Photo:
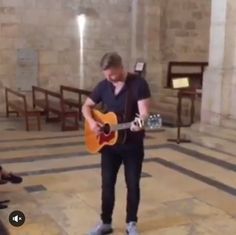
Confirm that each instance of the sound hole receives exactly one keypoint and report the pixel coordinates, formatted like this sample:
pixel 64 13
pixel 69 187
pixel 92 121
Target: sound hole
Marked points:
pixel 106 129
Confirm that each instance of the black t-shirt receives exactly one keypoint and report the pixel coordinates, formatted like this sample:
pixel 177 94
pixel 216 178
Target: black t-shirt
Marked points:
pixel 137 88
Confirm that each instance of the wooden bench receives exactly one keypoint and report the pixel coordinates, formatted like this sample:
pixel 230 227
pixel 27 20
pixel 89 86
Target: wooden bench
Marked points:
pixel 193 70
pixel 39 101
pixel 53 103
pixel 19 106
pixel 75 99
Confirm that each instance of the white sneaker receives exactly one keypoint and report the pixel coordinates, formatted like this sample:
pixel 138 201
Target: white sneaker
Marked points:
pixel 101 229
pixel 132 228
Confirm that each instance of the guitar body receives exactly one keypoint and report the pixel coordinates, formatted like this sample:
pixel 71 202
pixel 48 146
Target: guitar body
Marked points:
pixel 95 143
pixel 113 131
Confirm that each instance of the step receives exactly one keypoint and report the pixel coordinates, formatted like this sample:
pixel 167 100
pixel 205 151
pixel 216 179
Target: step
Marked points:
pixel 224 142
pixel 229 123
pixel 216 131
pixel 213 142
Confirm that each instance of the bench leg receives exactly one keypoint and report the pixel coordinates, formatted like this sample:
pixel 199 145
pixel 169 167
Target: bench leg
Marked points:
pixel 7 111
pixel 38 121
pixel 80 113
pixel 47 116
pixel 64 127
pixel 63 122
pixel 76 121
pixel 27 122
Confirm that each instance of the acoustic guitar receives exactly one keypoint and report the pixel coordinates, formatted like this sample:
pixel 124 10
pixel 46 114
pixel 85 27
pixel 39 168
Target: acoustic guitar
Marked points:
pixel 111 130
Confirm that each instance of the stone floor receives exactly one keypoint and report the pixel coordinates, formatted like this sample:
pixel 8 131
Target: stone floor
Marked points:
pixel 186 189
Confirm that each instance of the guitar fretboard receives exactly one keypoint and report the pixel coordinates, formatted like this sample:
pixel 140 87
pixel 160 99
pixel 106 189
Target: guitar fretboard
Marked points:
pixel 120 126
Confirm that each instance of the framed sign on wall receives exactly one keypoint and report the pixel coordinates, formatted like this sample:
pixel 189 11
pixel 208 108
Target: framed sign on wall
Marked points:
pixel 26 69
pixel 140 68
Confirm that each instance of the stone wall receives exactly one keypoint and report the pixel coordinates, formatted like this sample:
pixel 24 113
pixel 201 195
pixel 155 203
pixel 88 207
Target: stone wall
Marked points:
pixel 50 27
pixel 154 30
pixel 185 27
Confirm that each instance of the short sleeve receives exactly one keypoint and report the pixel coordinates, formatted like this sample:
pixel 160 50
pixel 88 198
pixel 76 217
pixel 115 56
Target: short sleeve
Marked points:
pixel 96 94
pixel 143 90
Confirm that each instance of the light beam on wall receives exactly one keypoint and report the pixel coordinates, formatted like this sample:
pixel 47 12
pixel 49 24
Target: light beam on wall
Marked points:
pixel 81 21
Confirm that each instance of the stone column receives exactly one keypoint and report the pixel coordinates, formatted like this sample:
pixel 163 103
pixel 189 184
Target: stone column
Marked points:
pixel 145 40
pixel 219 85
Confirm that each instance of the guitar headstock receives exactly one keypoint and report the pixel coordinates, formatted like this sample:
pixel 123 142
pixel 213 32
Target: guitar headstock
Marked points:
pixel 154 121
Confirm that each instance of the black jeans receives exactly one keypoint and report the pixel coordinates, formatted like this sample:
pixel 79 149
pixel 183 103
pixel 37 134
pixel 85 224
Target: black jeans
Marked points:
pixel 131 155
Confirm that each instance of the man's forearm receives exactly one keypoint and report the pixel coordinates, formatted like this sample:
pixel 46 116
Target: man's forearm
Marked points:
pixel 144 109
pixel 87 113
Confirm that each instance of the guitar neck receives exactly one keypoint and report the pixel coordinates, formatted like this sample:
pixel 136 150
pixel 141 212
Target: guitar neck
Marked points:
pixel 121 126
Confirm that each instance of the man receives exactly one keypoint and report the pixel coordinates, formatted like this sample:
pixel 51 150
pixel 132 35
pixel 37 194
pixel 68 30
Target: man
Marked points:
pixel 9 177
pixel 6 177
pixel 127 95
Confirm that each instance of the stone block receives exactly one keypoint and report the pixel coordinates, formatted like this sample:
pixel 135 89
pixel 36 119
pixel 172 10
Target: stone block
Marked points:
pixel 181 33
pixel 31 17
pixel 21 43
pixel 190 25
pixel 47 70
pixel 175 24
pixel 48 57
pixel 29 4
pixel 197 15
pixel 190 5
pixel 7 10
pixel 41 42
pixel 68 57
pixel 7 57
pixel 10 29
pixel 49 4
pixel 5 70
pixel 9 18
pixel 12 3
pixel 61 44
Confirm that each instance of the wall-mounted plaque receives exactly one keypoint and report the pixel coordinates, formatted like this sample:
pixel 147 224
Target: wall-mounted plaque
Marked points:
pixel 139 67
pixel 27 69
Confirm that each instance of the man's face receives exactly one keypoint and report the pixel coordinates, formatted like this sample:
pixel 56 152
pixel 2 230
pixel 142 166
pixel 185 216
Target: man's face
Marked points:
pixel 114 74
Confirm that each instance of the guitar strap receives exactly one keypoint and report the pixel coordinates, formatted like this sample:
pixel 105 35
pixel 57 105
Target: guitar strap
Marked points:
pixel 126 117
pixel 128 101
